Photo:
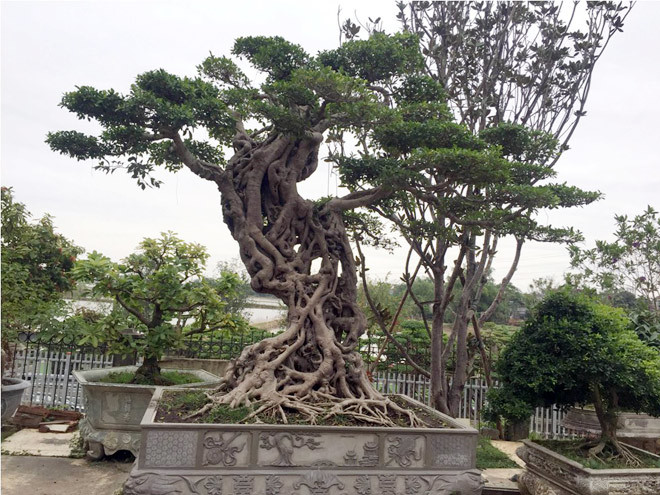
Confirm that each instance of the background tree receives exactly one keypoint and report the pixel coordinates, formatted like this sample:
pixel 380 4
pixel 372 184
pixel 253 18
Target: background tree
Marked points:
pixel 631 262
pixel 233 284
pixel 626 271
pixel 574 351
pixel 454 189
pixel 36 270
pixel 293 248
pixel 160 292
pixel 518 75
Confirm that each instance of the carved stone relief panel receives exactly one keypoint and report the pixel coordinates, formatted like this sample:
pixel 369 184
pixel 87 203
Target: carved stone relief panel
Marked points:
pixel 318 482
pixel 226 449
pixel 452 451
pixel 170 449
pixel 123 408
pixel 243 485
pixel 404 451
pixel 318 450
pixel 289 449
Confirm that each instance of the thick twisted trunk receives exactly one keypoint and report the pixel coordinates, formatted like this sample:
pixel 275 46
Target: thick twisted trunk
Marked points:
pixel 298 251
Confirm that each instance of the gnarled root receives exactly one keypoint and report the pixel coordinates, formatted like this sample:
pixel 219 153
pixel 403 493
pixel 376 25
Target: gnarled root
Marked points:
pixel 610 450
pixel 318 407
pixel 264 376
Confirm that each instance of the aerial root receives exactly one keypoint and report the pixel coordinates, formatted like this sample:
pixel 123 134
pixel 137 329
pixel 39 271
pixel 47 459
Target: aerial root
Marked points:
pixel 618 452
pixel 315 408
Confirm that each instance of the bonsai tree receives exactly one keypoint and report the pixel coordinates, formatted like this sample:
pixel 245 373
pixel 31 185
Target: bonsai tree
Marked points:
pixel 159 293
pixel 262 141
pixel 36 271
pixel 364 92
pixel 574 351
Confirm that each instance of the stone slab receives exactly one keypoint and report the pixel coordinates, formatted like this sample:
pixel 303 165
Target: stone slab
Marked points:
pixel 501 478
pixel 22 475
pixel 32 442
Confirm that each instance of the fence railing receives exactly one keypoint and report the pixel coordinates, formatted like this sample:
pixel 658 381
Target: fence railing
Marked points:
pixel 49 366
pixel 49 370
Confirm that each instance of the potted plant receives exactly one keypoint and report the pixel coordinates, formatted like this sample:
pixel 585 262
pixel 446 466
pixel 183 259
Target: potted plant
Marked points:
pixel 158 291
pixel 574 351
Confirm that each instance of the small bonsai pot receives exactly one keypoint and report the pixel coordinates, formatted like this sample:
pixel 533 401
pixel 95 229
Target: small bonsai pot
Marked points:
pixel 113 411
pixel 12 391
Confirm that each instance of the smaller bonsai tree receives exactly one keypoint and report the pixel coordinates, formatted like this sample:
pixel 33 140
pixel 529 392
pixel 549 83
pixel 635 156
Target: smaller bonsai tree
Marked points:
pixel 160 292
pixel 574 351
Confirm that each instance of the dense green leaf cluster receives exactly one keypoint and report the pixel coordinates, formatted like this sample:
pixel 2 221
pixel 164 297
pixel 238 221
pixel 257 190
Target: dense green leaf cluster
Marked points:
pixel 575 351
pixel 37 265
pixel 160 295
pixel 628 266
pixel 301 94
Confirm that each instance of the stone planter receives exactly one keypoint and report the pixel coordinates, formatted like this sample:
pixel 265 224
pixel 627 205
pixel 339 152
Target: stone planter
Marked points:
pixel 214 459
pixel 113 411
pixel 12 391
pixel 548 473
pixel 640 430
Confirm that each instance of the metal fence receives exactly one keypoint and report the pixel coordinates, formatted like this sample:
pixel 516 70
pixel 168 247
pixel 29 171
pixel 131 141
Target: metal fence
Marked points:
pixel 49 366
pixel 218 346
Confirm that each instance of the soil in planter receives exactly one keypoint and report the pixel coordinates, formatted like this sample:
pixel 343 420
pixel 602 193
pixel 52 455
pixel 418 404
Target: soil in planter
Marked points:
pixel 572 450
pixel 174 406
pixel 126 377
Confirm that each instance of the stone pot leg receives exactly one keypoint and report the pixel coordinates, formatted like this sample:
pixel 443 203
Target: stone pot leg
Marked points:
pixel 95 450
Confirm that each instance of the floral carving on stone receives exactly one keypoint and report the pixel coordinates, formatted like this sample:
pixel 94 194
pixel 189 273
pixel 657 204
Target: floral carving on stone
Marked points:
pixel 213 485
pixel 319 482
pixel 222 450
pixel 273 485
pixel 363 485
pixel 286 443
pixel 404 450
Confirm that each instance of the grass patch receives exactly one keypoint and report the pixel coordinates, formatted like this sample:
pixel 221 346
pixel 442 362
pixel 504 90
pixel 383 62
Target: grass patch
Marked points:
pixel 573 451
pixel 490 457
pixel 174 377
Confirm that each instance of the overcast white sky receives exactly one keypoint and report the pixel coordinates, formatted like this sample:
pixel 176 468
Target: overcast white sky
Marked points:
pixel 49 47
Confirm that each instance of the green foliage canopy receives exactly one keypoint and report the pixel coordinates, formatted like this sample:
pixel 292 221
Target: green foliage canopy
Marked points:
pixel 160 295
pixel 629 265
pixel 37 265
pixel 574 351
pixel 301 94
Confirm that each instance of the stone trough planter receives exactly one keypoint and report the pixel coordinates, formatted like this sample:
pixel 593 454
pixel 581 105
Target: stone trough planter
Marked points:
pixel 548 473
pixel 264 459
pixel 113 411
pixel 639 430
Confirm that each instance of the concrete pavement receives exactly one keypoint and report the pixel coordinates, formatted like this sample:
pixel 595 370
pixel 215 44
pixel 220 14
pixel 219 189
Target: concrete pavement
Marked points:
pixel 23 475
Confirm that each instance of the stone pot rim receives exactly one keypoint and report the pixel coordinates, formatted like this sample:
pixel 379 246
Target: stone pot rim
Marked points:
pixel 595 472
pixel 17 384
pixel 148 420
pixel 82 376
pixel 621 414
